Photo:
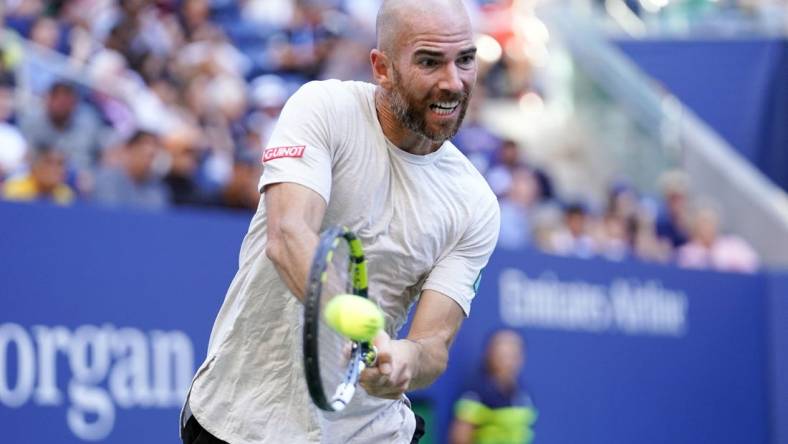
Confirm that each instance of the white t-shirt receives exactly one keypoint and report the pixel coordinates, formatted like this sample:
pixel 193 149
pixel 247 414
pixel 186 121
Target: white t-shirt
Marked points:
pixel 426 222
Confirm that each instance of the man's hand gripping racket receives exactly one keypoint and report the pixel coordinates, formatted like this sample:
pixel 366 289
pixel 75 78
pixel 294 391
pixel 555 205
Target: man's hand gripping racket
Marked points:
pixel 339 321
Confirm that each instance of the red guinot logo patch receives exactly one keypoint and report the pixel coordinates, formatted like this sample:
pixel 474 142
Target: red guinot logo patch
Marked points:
pixel 283 151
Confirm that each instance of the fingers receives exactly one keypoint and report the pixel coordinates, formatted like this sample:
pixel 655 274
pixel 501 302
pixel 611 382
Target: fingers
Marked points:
pixel 391 377
pixel 376 383
pixel 399 376
pixel 382 343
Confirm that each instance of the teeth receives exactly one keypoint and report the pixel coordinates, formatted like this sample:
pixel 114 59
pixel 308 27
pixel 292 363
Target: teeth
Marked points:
pixel 447 104
pixel 444 107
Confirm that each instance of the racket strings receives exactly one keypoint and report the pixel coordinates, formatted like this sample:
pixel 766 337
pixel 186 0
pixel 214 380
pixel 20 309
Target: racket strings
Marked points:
pixel 334 348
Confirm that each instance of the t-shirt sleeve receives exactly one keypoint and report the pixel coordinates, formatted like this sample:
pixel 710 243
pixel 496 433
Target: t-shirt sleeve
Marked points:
pixel 300 149
pixel 457 275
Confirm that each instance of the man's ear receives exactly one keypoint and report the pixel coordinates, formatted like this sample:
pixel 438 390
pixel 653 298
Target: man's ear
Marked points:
pixel 381 68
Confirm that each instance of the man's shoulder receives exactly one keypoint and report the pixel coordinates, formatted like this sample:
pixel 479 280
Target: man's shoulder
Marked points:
pixel 334 89
pixel 473 181
pixel 335 101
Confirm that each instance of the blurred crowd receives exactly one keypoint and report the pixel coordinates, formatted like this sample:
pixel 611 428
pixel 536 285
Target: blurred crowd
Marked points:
pixel 669 228
pixel 173 101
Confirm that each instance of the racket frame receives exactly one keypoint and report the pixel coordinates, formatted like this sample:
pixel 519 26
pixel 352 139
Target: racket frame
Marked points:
pixel 362 354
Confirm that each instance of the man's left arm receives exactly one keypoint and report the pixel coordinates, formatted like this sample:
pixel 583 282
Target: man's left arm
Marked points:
pixel 415 362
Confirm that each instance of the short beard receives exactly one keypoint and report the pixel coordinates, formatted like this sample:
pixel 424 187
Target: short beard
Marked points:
pixel 413 117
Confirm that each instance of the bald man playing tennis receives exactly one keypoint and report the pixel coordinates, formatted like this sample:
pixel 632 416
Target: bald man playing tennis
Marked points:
pixel 377 159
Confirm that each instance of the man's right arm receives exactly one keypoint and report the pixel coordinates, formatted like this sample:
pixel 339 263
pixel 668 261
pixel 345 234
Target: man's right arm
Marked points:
pixel 294 215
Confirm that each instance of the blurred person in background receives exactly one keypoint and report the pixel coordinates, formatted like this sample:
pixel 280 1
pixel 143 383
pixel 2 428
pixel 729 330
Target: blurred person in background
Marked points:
pixel 673 218
pixel 622 201
pixel 646 245
pixel 44 32
pixel 495 408
pixel 508 158
pixel 573 238
pixel 546 221
pixel 66 123
pixel 268 94
pixel 268 13
pixel 181 178
pixel 13 146
pixel 612 234
pixel 708 249
pixel 240 192
pixel 612 238
pixel 516 207
pixel 45 181
pixel 474 139
pixel 133 182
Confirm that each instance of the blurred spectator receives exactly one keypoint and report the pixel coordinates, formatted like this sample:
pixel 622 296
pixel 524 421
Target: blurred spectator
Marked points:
pixel 44 32
pixel 133 183
pixel 13 146
pixel 646 245
pixel 241 192
pixel 574 239
pixel 268 95
pixel 500 175
pixel 546 220
pixel 45 181
pixel 613 234
pixel 495 408
pixel 66 123
pixel 474 139
pixel 612 240
pixel 195 18
pixel 181 178
pixel 516 207
pixel 622 202
pixel 708 249
pixel 673 219
pixel 268 13
pixel 509 158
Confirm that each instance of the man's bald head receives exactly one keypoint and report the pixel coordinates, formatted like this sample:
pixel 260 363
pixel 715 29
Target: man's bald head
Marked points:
pixel 397 19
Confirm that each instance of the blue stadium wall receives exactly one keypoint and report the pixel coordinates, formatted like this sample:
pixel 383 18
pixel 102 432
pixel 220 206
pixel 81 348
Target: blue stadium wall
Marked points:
pixel 105 315
pixel 738 86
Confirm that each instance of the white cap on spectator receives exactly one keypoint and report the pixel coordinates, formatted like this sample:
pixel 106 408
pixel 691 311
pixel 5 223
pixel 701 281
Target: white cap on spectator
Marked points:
pixel 12 155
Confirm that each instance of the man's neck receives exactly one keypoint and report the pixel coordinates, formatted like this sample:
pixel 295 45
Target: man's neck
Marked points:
pixel 506 385
pixel 403 138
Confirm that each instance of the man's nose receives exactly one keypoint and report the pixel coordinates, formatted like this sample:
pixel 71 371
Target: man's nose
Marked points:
pixel 451 81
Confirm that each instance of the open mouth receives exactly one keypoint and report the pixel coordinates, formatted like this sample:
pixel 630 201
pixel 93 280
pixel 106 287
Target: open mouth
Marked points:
pixel 444 108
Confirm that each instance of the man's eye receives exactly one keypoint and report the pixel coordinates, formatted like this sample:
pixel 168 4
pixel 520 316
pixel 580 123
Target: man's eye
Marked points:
pixel 466 60
pixel 428 63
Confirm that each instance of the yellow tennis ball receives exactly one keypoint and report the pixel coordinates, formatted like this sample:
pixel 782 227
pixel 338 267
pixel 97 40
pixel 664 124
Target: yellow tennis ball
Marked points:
pixel 354 317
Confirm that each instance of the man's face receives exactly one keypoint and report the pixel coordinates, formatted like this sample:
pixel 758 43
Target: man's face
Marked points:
pixel 60 104
pixel 506 355
pixel 49 170
pixel 576 223
pixel 433 76
pixel 141 156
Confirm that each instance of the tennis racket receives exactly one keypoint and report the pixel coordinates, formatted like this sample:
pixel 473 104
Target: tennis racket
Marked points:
pixel 332 362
